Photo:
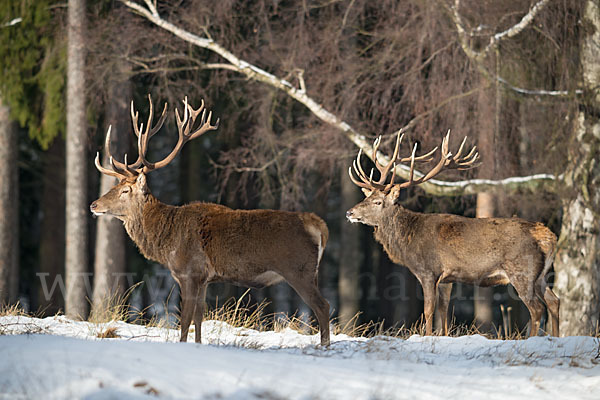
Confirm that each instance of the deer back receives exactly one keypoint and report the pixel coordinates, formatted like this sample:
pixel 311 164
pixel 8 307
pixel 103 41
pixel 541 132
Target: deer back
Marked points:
pixel 247 243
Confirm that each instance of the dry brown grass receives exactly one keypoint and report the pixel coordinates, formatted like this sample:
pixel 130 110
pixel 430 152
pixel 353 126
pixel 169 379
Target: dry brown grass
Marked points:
pixel 16 310
pixel 244 313
pixel 13 310
pixel 241 314
pixel 115 308
pixel 108 333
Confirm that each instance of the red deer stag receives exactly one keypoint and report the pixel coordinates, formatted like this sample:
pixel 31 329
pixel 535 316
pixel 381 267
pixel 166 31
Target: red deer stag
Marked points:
pixel 203 242
pixel 440 249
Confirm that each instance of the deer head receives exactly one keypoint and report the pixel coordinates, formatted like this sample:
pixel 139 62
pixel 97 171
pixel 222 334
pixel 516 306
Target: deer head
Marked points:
pixel 381 196
pixel 126 198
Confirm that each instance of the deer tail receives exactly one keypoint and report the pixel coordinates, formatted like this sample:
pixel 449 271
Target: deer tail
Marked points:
pixel 547 243
pixel 312 221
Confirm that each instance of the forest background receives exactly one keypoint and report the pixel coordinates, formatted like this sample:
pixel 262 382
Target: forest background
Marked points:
pixel 299 87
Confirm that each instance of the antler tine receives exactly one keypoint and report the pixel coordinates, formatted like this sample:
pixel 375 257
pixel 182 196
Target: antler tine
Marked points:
pixel 460 149
pixel 205 124
pixel 124 170
pixel 469 161
pixel 161 121
pixel 466 162
pixel 183 126
pixel 412 169
pixel 121 168
pixel 367 181
pixel 144 135
pixel 181 123
pixel 359 172
pixel 391 165
pixel 106 171
pixel 107 141
pixel 391 184
pixel 445 144
pixel 356 182
pixel 118 168
pixel 134 120
pixel 358 167
pixel 385 170
pixel 150 115
pixel 151 131
pixel 130 169
pixel 194 113
pixel 447 160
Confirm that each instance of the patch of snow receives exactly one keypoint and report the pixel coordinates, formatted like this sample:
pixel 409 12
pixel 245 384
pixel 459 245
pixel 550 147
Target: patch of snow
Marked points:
pixel 60 358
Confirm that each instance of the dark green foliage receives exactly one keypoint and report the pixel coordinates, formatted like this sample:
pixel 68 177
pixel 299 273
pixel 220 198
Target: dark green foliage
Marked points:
pixel 32 64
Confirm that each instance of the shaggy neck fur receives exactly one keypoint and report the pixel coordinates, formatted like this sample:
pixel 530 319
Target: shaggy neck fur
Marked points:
pixel 149 226
pixel 397 237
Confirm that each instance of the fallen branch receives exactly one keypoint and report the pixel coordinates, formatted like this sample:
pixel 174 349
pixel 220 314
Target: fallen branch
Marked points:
pixel 433 187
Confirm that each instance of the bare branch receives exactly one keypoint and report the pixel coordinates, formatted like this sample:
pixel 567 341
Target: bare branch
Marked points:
pixel 434 187
pixel 12 22
pixel 479 56
pixel 419 117
pixel 556 93
pixel 525 21
pixel 495 39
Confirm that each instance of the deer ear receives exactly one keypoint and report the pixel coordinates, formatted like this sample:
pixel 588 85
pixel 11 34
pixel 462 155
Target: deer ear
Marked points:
pixel 394 194
pixel 141 183
pixel 366 192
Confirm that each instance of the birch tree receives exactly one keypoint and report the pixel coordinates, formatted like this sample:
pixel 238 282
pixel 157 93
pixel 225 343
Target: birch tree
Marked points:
pixel 577 264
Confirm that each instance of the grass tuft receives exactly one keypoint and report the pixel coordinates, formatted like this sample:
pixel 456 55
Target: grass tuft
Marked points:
pixel 240 314
pixel 114 308
pixel 108 333
pixel 12 310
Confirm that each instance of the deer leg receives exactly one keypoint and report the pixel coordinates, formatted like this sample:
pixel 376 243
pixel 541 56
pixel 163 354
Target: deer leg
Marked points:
pixel 528 295
pixel 545 294
pixel 553 305
pixel 309 292
pixel 429 293
pixel 444 292
pixel 536 308
pixel 200 309
pixel 188 304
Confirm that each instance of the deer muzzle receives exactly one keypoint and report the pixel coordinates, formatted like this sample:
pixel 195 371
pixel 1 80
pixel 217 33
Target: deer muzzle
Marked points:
pixel 94 209
pixel 350 216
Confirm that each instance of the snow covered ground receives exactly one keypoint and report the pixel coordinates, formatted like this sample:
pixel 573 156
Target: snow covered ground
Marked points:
pixel 57 358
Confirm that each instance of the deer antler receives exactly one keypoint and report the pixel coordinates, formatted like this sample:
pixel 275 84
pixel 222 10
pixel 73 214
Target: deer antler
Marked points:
pixel 124 170
pixel 447 161
pixel 184 126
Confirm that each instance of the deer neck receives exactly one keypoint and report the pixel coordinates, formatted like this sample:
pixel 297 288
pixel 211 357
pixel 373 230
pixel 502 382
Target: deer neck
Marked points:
pixel 147 228
pixel 397 233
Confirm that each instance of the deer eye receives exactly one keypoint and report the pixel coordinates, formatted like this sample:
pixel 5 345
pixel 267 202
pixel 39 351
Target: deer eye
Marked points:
pixel 377 202
pixel 125 190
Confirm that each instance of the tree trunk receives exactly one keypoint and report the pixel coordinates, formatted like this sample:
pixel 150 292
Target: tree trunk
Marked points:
pixel 488 126
pixel 109 262
pixel 577 264
pixel 76 253
pixel 50 295
pixel 483 295
pixel 350 253
pixel 9 208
